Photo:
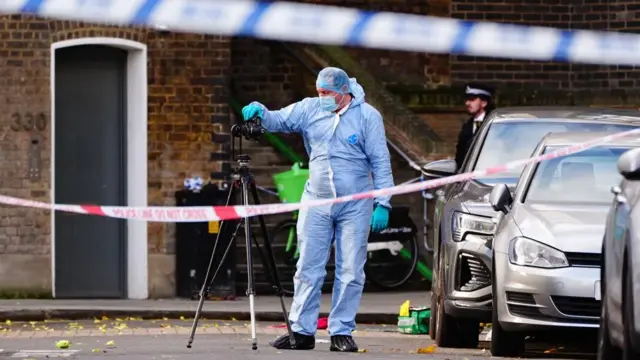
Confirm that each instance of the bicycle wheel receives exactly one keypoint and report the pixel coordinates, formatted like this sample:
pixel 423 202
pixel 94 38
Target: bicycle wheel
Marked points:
pixel 388 271
pixel 284 241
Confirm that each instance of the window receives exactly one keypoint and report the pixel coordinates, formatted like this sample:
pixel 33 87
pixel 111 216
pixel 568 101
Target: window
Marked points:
pixel 515 140
pixel 584 177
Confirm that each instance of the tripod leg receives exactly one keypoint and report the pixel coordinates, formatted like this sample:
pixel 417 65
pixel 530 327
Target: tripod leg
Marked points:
pixel 263 259
pixel 207 283
pixel 273 266
pixel 250 284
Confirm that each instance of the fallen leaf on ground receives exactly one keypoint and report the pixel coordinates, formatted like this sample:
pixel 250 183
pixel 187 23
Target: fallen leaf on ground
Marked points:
pixel 63 344
pixel 428 350
pixel 362 350
pixel 550 351
pixel 95 350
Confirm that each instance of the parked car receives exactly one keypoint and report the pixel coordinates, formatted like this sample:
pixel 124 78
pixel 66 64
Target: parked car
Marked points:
pixel 463 230
pixel 619 335
pixel 548 239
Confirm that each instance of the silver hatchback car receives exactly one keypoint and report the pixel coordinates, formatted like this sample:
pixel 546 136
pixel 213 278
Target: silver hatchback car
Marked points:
pixel 462 227
pixel 548 239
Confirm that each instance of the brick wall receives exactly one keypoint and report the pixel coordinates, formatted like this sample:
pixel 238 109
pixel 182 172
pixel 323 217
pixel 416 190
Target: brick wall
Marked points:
pixel 613 15
pixel 188 82
pixel 431 70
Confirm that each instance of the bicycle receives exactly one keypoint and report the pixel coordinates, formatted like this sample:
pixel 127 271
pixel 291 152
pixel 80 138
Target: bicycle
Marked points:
pixel 385 269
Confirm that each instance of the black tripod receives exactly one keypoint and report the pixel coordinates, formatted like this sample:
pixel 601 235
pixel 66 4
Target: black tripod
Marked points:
pixel 242 178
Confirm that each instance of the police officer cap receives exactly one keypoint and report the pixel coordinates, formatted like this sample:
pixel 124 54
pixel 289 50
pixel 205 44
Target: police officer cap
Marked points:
pixel 482 91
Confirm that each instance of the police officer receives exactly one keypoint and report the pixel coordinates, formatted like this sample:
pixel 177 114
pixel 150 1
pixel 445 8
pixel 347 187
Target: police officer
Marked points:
pixel 479 102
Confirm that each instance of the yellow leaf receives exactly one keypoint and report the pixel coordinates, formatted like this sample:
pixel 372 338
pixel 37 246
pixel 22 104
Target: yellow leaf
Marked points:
pixel 8 322
pixel 63 344
pixel 181 317
pixel 165 318
pixel 233 319
pixel 428 350
pixel 110 343
pixel 362 350
pixel 95 350
pixel 104 318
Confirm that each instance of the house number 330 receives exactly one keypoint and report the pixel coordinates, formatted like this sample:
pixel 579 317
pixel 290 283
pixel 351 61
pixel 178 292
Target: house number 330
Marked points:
pixel 28 122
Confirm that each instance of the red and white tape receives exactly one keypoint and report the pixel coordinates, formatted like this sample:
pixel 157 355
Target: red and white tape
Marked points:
pixel 214 213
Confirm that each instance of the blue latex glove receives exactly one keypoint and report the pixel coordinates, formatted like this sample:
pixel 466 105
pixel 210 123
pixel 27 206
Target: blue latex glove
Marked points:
pixel 379 219
pixel 251 110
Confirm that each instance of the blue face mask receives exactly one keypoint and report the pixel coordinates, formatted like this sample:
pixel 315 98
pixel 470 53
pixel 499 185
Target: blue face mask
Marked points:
pixel 328 103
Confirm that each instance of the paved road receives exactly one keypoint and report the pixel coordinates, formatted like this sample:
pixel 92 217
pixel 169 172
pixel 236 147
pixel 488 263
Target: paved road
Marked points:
pixel 167 339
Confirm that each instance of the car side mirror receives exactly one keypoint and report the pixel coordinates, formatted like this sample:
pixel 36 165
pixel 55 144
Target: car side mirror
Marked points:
pixel 500 198
pixel 440 168
pixel 629 164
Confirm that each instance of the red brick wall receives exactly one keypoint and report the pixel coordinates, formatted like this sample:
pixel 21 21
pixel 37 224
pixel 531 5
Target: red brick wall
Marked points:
pixel 612 15
pixel 430 70
pixel 188 82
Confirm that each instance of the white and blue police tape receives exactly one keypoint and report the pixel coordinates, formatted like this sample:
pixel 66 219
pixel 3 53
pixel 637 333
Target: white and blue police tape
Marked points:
pixel 345 26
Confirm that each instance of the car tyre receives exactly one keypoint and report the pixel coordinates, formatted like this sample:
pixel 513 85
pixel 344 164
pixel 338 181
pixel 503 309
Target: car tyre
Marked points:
pixel 434 315
pixel 445 325
pixel 449 331
pixel 503 343
pixel 433 319
pixel 606 350
pixel 628 351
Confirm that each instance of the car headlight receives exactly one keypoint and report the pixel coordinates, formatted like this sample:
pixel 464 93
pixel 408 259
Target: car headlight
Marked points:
pixel 466 223
pixel 527 252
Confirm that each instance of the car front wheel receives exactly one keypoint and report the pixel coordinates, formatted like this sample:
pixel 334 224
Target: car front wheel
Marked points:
pixel 606 350
pixel 449 331
pixel 503 343
pixel 629 352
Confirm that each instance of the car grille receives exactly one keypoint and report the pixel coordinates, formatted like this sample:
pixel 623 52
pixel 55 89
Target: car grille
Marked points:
pixel 521 298
pixel 584 259
pixel 577 306
pixel 472 273
pixel 525 311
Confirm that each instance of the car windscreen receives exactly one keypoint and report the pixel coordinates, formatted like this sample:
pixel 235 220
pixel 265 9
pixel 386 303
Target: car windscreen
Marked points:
pixel 514 140
pixel 584 177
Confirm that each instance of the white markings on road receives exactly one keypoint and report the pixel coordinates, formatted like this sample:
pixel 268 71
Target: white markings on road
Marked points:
pixel 44 353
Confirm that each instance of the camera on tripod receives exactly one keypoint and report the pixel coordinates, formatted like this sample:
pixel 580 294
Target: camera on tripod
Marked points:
pixel 251 129
pixel 243 180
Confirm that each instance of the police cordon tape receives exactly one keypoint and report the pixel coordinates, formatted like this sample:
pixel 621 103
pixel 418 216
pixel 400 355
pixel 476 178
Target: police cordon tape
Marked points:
pixel 322 24
pixel 216 213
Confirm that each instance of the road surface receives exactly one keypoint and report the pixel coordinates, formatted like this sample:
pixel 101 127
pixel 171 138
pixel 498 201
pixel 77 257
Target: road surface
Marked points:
pixel 133 339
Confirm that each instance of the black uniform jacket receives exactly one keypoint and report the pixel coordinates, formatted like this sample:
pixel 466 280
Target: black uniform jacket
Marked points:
pixel 465 137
